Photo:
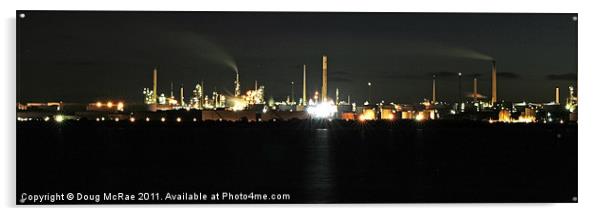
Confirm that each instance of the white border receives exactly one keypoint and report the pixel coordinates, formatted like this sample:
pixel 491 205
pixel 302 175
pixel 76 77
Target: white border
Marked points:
pixel 589 98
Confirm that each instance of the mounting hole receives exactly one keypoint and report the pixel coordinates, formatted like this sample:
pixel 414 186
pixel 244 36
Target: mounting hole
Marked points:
pixel 574 199
pixel 574 18
pixel 22 15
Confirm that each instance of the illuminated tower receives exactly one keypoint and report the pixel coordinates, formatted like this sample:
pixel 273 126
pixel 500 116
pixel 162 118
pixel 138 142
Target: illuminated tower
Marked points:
pixel 557 101
pixel 324 78
pixel 304 86
pixel 493 84
pixel 236 86
pixel 197 97
pixel 434 89
pixel 154 99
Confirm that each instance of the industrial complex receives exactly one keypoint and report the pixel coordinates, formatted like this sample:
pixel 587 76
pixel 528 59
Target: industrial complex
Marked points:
pixel 251 105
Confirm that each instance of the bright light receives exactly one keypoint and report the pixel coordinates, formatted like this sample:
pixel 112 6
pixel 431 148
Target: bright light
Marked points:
pixel 102 119
pixel 194 119
pixel 98 104
pixel 97 119
pixel 109 104
pixel 46 118
pixel 162 119
pixel 147 119
pixel 132 119
pixel 367 115
pixel 59 118
pixel 322 110
pixel 120 106
pixel 420 116
pixel 116 119
pixel 178 119
pixel 238 106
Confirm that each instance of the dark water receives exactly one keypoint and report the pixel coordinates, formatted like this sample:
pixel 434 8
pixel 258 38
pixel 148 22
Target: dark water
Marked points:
pixel 314 162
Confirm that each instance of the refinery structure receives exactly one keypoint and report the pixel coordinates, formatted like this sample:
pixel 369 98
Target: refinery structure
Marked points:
pixel 251 105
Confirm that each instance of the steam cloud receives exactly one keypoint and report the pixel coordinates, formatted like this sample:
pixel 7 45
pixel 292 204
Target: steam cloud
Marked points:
pixel 206 49
pixel 467 53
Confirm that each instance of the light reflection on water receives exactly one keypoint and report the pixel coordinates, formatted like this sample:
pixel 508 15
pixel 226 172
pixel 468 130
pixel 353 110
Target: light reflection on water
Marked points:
pixel 319 170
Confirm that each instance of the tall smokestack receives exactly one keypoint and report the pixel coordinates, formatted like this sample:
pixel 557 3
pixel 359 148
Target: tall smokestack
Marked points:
pixel 474 89
pixel 236 86
pixel 202 93
pixel 557 101
pixel 434 89
pixel 493 83
pixel 155 85
pixel 292 92
pixel 182 94
pixel 324 78
pixel 304 85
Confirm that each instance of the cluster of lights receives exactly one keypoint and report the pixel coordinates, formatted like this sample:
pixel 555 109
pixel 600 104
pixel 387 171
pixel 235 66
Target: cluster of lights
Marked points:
pixel 238 104
pixel 367 115
pixel 119 106
pixel 24 119
pixel 32 119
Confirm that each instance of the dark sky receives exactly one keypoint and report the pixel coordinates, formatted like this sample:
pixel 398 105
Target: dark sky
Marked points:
pixel 89 56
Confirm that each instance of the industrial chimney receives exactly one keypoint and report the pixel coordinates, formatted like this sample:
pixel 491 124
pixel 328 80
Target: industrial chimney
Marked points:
pixel 304 85
pixel 324 78
pixel 182 95
pixel 474 89
pixel 434 89
pixel 459 89
pixel 155 85
pixel 493 84
pixel 336 102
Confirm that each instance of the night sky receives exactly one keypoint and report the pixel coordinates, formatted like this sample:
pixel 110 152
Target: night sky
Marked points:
pixel 88 56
